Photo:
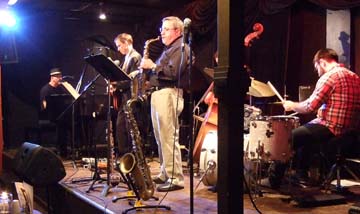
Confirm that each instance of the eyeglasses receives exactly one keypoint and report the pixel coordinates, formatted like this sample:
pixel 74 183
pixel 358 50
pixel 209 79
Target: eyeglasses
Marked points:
pixel 166 29
pixel 317 64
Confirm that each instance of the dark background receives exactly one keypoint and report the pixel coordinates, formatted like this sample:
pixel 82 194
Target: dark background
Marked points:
pixel 57 34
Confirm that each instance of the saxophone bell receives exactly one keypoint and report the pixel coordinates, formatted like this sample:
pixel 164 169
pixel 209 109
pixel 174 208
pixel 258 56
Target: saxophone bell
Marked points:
pixel 127 163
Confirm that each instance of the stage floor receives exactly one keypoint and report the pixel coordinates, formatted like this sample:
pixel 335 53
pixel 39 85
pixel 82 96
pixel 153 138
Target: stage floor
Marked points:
pixel 205 200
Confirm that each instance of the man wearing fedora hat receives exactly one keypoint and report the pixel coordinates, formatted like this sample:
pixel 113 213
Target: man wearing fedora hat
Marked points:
pixel 62 128
pixel 52 87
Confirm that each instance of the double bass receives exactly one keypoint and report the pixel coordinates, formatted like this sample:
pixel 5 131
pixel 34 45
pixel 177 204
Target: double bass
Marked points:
pixel 209 122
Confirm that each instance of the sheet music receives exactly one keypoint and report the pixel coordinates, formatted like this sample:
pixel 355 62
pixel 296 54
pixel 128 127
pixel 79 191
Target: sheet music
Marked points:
pixel 275 91
pixel 25 194
pixel 71 90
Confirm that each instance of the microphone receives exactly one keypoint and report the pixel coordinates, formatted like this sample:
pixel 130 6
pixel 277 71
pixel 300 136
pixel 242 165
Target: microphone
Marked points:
pixel 187 23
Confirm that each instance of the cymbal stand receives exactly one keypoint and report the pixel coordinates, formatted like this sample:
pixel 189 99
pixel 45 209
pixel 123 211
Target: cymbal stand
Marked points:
pixel 211 165
pixel 257 171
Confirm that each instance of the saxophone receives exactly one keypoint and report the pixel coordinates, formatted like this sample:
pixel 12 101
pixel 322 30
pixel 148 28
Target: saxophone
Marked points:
pixel 134 163
pixel 142 77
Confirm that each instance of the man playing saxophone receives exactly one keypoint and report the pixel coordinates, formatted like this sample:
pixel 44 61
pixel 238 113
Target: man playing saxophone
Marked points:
pixel 167 102
pixel 124 44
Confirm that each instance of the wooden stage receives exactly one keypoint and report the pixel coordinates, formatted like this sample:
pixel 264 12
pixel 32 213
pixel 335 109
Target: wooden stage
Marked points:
pixel 72 197
pixel 205 200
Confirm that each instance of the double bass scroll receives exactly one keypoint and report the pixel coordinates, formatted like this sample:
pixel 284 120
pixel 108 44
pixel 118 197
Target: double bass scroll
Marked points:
pixel 258 30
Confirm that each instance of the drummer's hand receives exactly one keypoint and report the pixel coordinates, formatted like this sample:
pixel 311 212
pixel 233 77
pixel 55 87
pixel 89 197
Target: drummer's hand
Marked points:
pixel 288 105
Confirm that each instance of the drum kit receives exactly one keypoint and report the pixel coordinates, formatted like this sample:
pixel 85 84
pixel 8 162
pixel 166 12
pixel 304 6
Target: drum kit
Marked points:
pixel 267 140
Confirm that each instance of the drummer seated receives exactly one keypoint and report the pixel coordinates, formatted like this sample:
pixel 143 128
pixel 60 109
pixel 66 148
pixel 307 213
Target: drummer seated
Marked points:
pixel 343 146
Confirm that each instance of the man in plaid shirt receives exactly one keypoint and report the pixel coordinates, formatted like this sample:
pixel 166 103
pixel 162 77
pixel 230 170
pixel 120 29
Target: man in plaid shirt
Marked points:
pixel 336 99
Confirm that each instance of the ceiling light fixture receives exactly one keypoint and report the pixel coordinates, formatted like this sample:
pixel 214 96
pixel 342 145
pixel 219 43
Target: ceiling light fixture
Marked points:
pixel 102 14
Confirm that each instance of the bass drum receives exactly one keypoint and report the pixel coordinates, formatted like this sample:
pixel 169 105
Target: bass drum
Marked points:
pixel 208 159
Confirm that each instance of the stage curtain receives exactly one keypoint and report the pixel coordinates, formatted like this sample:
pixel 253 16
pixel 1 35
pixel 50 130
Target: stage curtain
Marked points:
pixel 336 4
pixel 274 6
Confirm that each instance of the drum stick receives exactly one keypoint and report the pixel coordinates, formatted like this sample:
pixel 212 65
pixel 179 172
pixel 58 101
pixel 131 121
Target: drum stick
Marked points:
pixel 293 114
pixel 275 91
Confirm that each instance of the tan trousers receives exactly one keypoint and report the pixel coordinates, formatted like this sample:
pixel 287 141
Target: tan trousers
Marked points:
pixel 166 106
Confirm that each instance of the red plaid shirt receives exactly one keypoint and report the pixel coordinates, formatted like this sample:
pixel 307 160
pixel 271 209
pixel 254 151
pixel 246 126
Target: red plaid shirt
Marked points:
pixel 337 99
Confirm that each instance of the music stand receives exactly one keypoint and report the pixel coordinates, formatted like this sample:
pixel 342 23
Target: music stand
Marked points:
pixel 111 72
pixel 75 100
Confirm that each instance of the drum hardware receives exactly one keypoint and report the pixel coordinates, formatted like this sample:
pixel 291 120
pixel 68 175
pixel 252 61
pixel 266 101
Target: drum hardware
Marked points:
pixel 211 165
pixel 252 170
pixel 254 125
pixel 269 133
pixel 252 174
pixel 208 159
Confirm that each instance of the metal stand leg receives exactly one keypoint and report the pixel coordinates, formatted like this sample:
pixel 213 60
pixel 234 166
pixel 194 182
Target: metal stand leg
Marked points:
pixel 134 194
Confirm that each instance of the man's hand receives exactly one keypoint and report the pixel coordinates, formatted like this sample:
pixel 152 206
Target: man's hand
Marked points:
pixel 133 74
pixel 147 64
pixel 288 105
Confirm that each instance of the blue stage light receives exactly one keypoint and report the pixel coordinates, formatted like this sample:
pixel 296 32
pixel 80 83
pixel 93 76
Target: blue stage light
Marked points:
pixel 12 2
pixel 7 18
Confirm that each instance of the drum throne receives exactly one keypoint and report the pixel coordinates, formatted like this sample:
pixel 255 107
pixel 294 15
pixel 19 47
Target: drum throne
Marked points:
pixel 347 147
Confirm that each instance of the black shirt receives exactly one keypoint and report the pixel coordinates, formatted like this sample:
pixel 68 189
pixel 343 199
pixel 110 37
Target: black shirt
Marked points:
pixel 168 65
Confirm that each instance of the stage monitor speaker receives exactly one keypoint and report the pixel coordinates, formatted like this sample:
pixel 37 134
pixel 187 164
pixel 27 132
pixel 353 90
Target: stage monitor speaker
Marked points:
pixel 38 166
pixel 305 91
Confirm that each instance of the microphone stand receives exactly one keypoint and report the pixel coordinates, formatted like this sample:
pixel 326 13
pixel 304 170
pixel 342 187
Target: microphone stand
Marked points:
pixel 191 130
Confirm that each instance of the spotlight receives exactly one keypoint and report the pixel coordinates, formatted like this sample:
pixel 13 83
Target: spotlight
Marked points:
pixel 102 16
pixel 7 18
pixel 12 2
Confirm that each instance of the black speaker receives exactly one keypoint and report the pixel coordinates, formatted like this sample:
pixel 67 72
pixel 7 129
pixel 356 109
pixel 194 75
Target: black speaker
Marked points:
pixel 38 166
pixel 305 91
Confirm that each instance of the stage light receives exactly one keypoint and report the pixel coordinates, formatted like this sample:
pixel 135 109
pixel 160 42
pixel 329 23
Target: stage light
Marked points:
pixel 102 16
pixel 12 2
pixel 7 18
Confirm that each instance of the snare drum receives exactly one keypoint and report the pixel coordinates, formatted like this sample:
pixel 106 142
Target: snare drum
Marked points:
pixel 208 159
pixel 271 138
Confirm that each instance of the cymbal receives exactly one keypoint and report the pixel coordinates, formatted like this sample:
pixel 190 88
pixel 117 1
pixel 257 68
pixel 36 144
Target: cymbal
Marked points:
pixel 259 89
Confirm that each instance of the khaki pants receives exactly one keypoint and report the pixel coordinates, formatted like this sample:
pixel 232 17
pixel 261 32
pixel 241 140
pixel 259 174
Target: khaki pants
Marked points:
pixel 166 106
